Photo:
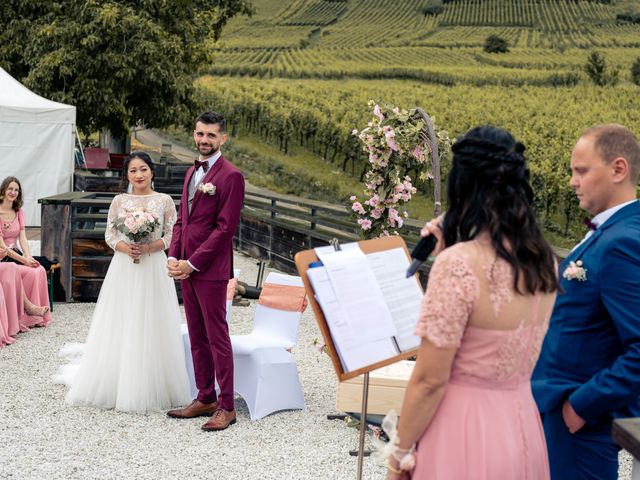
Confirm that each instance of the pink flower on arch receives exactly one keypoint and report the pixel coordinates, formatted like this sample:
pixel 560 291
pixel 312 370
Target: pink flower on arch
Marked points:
pixel 373 201
pixel 389 136
pixel 418 153
pixel 378 113
pixel 377 212
pixel 358 208
pixel 364 223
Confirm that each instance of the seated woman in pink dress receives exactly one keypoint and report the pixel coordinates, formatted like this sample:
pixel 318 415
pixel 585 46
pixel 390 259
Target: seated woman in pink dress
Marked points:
pixel 468 410
pixel 19 310
pixel 12 235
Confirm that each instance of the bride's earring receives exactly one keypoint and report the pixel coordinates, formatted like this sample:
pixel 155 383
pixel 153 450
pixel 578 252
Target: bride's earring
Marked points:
pixel 130 188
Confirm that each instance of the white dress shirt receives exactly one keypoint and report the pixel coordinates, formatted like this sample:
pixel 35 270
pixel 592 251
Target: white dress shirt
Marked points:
pixel 602 217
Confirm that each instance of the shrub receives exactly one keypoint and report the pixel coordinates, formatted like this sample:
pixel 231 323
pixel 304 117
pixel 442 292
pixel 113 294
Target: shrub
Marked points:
pixel 627 17
pixel 596 68
pixel 635 72
pixel 433 8
pixel 495 44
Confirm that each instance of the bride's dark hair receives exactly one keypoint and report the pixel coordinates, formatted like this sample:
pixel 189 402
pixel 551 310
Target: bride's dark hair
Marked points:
pixel 145 157
pixel 488 191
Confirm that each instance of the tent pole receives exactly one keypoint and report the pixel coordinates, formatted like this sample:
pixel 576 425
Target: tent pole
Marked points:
pixel 84 160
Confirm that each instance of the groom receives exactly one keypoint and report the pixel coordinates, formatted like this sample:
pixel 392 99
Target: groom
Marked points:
pixel 589 367
pixel 201 256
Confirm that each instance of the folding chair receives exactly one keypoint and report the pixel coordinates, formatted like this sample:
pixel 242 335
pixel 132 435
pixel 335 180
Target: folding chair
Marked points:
pixel 265 373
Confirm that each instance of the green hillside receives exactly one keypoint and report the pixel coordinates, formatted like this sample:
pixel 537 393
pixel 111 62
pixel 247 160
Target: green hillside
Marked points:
pixel 299 73
pixel 372 39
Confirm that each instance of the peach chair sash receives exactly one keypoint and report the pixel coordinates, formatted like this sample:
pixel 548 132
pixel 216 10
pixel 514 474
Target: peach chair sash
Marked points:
pixel 283 297
pixel 231 288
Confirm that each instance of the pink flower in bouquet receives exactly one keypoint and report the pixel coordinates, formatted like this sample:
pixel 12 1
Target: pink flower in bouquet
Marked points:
pixel 130 223
pixel 137 225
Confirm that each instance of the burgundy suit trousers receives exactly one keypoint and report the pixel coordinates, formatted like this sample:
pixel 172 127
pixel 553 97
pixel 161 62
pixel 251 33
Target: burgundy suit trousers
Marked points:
pixel 205 303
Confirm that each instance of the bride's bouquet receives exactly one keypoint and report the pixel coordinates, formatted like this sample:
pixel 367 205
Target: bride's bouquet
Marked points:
pixel 137 225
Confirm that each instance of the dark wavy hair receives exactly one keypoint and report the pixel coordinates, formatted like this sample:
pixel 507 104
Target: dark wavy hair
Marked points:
pixel 145 157
pixel 17 203
pixel 488 191
pixel 211 118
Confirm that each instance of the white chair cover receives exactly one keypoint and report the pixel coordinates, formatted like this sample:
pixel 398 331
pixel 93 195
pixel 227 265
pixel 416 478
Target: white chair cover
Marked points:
pixel 265 373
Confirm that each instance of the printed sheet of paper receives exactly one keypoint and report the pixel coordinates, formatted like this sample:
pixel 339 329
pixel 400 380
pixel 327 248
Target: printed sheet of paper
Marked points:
pixel 353 351
pixel 402 295
pixel 358 293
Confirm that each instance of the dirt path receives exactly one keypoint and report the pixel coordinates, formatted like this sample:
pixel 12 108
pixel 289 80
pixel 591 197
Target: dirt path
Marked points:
pixel 155 140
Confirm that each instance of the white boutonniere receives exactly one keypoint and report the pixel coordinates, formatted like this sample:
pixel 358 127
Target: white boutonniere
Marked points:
pixel 207 188
pixel 575 271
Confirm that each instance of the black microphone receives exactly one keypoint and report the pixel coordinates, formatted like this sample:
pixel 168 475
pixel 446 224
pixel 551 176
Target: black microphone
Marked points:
pixel 421 252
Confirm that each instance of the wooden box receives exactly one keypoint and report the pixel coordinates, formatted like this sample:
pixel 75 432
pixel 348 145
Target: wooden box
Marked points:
pixel 386 390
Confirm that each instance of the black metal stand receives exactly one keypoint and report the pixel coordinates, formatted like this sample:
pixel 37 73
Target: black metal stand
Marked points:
pixel 363 423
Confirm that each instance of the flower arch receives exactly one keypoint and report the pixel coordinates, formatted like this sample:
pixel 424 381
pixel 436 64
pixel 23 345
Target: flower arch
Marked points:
pixel 397 141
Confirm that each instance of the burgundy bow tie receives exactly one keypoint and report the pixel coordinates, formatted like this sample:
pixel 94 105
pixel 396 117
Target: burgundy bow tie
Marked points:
pixel 204 165
pixel 590 225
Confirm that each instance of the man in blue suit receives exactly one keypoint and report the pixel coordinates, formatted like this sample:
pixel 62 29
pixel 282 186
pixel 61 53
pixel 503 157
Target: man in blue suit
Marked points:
pixel 589 367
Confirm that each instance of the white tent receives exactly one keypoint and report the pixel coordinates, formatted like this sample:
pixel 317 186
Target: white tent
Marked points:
pixel 36 144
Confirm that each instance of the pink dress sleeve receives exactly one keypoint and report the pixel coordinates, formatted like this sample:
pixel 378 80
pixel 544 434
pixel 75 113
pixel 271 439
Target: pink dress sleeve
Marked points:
pixel 21 219
pixel 452 291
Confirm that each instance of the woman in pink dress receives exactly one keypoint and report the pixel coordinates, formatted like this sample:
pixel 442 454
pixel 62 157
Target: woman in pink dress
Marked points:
pixel 468 411
pixel 32 275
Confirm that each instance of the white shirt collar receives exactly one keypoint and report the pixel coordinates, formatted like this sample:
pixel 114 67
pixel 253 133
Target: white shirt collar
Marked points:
pixel 602 217
pixel 213 158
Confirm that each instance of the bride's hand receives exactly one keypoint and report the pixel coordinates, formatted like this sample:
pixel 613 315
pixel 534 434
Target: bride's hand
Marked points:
pixel 128 248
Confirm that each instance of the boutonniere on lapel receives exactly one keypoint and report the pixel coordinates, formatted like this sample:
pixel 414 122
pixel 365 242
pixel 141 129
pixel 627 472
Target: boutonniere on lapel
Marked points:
pixel 207 188
pixel 575 271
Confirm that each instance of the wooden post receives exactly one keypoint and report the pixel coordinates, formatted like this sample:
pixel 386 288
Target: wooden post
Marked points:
pixel 55 234
pixel 314 213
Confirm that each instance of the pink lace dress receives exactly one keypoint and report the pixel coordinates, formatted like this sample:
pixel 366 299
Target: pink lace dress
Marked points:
pixel 34 280
pixel 487 426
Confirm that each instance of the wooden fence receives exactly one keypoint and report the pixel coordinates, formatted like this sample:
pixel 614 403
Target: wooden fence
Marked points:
pixel 273 228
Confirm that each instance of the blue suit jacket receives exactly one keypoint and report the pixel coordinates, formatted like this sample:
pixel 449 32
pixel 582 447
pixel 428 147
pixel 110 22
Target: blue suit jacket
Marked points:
pixel 591 353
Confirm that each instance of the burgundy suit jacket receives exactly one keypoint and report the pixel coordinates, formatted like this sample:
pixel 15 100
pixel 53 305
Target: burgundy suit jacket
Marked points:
pixel 204 236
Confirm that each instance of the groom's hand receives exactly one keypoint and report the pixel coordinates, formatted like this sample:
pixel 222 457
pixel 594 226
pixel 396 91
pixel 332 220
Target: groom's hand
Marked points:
pixel 184 268
pixel 572 420
pixel 174 270
pixel 179 269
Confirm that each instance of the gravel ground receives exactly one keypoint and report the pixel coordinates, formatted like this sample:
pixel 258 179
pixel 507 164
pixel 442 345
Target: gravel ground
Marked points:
pixel 42 438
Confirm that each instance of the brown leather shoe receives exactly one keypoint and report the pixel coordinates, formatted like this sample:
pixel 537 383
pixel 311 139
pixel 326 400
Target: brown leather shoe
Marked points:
pixel 220 420
pixel 194 409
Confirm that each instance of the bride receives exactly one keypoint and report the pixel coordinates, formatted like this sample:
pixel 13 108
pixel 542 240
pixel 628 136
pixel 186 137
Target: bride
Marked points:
pixel 133 359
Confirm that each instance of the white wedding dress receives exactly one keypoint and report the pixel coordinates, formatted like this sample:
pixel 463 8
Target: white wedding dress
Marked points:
pixel 133 358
